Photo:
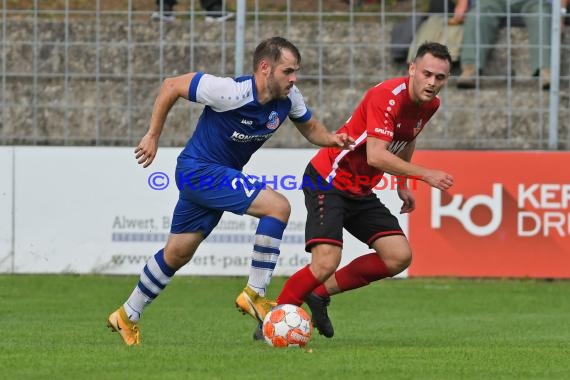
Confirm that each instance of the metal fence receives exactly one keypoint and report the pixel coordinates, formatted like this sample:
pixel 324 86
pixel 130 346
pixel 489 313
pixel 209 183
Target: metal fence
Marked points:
pixel 78 72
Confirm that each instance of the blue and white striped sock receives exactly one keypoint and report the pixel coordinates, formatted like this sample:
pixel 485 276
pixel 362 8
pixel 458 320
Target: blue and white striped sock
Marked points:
pixel 265 253
pixel 153 279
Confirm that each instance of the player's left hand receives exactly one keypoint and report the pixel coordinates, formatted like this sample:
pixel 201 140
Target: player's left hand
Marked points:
pixel 344 141
pixel 409 202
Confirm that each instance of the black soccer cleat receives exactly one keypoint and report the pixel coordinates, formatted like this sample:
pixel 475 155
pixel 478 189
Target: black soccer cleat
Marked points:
pixel 319 315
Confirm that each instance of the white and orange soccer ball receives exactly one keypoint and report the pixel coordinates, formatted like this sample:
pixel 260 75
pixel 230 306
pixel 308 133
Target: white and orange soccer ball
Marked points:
pixel 287 326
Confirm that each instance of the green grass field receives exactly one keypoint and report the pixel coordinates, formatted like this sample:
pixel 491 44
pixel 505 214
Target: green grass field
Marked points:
pixel 53 327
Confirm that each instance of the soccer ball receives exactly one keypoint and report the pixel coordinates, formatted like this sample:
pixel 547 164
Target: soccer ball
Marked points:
pixel 287 326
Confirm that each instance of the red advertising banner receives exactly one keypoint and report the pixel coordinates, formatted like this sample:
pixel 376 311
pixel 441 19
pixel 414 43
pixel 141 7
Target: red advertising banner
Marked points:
pixel 507 215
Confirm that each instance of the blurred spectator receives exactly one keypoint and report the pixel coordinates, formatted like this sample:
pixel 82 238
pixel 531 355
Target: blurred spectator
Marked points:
pixel 438 27
pixel 484 18
pixel 214 8
pixel 404 33
pixel 459 12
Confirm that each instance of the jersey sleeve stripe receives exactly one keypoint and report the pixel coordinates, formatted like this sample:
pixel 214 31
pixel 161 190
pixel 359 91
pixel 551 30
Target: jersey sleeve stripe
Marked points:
pixel 302 119
pixel 399 89
pixel 194 86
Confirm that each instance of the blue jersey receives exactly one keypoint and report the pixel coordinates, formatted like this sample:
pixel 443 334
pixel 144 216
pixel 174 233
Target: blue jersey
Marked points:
pixel 233 124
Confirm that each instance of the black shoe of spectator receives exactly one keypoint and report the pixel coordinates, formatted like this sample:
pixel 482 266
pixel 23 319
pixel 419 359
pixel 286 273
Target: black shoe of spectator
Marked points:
pixel 219 16
pixel 166 14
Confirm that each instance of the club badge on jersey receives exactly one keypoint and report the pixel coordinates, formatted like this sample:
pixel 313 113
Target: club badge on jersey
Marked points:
pixel 274 120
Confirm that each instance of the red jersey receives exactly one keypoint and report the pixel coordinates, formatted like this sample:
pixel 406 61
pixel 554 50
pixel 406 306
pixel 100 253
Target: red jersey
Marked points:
pixel 386 112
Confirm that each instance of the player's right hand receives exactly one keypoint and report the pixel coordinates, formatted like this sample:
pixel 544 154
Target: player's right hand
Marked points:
pixel 438 179
pixel 146 150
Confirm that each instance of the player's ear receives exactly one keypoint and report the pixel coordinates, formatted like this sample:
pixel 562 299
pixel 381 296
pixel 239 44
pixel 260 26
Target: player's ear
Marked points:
pixel 412 68
pixel 264 66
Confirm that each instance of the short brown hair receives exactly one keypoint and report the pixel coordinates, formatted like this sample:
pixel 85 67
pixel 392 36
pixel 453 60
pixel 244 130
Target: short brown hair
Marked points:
pixel 271 49
pixel 436 49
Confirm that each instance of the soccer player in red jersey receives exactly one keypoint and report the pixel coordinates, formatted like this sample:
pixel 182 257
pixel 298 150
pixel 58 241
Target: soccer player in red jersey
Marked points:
pixel 384 127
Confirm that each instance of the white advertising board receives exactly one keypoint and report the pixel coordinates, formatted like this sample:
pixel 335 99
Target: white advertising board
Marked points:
pixel 6 212
pixel 92 210
pixel 70 201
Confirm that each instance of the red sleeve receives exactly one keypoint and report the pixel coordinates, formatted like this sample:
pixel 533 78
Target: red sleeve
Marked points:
pixel 381 112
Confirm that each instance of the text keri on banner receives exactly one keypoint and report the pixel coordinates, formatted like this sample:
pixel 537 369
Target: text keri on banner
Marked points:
pixel 507 215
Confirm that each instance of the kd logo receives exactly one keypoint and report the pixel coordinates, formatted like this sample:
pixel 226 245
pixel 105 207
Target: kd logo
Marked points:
pixel 453 210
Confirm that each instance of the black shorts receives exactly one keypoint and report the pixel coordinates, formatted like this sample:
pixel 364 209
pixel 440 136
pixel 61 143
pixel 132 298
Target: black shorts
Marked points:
pixel 329 210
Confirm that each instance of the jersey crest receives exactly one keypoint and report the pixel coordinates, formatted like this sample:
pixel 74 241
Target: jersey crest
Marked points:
pixel 274 120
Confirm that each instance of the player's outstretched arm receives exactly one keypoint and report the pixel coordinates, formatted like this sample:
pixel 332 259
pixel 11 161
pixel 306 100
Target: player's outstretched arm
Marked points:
pixel 171 89
pixel 315 132
pixel 380 157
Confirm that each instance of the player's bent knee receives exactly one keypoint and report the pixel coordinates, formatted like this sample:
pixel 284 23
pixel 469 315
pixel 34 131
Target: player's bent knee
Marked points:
pixel 397 261
pixel 175 257
pixel 407 261
pixel 180 248
pixel 402 261
pixel 285 209
pixel 270 203
pixel 323 270
pixel 325 260
pixel 281 208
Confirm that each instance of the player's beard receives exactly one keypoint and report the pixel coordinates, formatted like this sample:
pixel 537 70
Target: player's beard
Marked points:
pixel 274 88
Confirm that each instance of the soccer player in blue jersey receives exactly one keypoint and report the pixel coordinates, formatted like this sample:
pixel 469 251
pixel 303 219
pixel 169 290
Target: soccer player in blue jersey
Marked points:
pixel 239 116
